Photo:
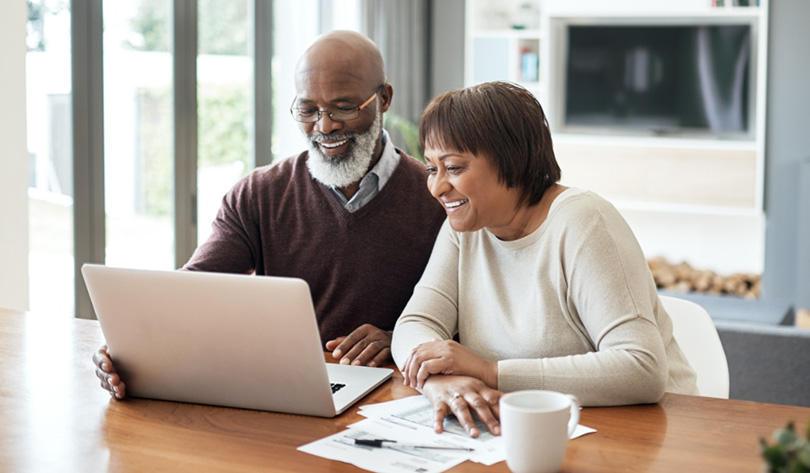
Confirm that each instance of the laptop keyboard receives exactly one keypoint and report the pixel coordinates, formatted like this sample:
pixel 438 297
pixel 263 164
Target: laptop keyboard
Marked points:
pixel 336 387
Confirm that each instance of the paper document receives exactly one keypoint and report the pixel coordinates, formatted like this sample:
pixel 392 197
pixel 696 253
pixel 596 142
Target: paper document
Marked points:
pixel 341 447
pixel 410 420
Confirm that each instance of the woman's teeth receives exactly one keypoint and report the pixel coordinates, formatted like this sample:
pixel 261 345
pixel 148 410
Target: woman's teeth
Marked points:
pixel 451 205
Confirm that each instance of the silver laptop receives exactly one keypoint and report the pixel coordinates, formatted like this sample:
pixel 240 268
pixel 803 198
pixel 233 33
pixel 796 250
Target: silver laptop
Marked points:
pixel 222 339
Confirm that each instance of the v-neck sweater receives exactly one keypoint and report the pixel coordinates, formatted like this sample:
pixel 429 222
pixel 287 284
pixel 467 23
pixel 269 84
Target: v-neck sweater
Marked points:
pixel 361 267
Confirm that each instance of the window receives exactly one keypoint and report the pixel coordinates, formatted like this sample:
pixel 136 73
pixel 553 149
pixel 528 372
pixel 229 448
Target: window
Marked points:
pixel 49 124
pixel 224 98
pixel 140 219
pixel 138 134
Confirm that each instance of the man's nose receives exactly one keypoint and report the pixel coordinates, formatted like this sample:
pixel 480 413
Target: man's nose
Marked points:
pixel 326 125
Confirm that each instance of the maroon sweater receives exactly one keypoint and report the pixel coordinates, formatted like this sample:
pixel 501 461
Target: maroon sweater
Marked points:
pixel 361 267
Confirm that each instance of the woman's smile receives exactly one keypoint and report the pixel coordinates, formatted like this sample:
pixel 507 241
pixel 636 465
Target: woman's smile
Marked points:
pixel 452 206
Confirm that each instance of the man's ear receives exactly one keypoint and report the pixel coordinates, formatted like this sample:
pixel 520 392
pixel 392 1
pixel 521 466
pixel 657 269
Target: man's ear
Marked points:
pixel 387 94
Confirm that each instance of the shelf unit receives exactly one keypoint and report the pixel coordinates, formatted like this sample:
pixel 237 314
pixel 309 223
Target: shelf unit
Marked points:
pixel 503 42
pixel 652 179
pixel 714 175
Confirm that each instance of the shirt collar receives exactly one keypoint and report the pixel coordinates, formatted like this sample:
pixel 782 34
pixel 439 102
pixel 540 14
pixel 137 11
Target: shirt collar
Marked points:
pixel 386 165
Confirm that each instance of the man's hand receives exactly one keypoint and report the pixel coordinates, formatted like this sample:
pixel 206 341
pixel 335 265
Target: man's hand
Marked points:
pixel 447 357
pixel 366 345
pixel 106 373
pixel 460 395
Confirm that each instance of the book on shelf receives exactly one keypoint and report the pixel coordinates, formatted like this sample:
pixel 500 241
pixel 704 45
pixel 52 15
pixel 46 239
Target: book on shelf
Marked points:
pixel 734 3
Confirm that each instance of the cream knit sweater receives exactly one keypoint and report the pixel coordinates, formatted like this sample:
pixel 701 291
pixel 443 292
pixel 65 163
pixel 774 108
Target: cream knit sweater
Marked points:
pixel 571 307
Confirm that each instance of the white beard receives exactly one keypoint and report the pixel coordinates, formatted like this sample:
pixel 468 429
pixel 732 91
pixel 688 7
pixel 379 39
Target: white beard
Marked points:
pixel 342 170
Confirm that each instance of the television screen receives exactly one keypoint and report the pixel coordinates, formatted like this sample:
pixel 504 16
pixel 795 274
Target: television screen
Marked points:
pixel 659 78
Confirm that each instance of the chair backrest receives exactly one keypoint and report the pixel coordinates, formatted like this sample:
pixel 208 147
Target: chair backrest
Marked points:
pixel 696 334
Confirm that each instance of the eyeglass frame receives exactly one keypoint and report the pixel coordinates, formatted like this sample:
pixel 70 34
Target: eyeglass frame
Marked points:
pixel 357 109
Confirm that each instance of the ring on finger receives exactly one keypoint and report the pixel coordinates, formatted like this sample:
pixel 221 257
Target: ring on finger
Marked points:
pixel 457 395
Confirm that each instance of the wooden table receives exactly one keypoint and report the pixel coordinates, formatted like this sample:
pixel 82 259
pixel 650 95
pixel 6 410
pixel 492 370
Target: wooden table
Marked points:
pixel 54 417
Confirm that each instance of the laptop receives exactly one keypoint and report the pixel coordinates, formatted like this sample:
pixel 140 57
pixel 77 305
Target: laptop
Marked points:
pixel 230 340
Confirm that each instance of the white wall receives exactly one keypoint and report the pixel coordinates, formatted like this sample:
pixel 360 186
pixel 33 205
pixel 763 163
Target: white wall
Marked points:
pixel 13 158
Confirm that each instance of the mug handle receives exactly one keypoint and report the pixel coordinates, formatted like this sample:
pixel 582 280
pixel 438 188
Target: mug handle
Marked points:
pixel 574 419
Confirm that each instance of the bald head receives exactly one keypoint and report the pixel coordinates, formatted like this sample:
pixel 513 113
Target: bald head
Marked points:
pixel 342 70
pixel 341 56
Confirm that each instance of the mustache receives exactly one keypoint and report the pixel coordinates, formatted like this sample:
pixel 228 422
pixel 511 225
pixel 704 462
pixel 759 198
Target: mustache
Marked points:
pixel 332 137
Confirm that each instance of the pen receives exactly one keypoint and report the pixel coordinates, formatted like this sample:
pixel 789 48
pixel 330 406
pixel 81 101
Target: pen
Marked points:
pixel 379 443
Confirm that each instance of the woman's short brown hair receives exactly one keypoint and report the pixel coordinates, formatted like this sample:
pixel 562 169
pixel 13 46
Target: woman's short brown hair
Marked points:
pixel 501 121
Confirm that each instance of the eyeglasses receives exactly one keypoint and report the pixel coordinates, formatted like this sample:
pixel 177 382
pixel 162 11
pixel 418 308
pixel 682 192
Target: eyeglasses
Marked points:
pixel 338 114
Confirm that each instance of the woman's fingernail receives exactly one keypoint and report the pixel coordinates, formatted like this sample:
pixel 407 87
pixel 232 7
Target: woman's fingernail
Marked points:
pixel 337 354
pixel 345 361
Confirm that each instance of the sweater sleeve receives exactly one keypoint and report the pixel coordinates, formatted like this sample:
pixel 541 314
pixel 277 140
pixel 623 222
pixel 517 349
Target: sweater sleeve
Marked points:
pixel 610 301
pixel 234 244
pixel 432 311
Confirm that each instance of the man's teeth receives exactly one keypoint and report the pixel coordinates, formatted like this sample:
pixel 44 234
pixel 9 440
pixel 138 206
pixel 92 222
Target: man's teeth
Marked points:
pixel 456 203
pixel 333 145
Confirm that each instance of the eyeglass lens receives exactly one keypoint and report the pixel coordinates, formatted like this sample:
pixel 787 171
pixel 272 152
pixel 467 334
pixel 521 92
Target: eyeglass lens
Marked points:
pixel 335 113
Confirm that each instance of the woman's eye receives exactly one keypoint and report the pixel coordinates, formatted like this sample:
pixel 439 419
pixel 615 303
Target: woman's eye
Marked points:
pixel 431 170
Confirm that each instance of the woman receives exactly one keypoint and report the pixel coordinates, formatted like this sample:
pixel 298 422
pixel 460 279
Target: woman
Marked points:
pixel 545 286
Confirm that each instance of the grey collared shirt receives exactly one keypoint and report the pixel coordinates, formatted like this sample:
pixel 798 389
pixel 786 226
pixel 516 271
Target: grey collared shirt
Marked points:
pixel 373 182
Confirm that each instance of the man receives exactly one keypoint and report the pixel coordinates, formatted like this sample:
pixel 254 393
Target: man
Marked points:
pixel 352 215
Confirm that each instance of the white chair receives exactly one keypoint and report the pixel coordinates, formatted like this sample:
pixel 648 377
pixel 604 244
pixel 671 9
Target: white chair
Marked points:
pixel 697 336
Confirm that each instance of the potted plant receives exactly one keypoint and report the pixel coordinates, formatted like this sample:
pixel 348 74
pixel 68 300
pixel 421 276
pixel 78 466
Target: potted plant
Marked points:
pixel 408 130
pixel 790 453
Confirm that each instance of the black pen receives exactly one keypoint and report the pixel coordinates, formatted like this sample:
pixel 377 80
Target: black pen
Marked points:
pixel 379 443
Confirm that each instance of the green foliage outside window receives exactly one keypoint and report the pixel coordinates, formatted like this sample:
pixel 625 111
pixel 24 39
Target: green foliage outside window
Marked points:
pixel 225 32
pixel 223 112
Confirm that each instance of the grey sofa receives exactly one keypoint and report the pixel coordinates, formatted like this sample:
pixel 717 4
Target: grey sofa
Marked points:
pixel 768 357
pixel 767 363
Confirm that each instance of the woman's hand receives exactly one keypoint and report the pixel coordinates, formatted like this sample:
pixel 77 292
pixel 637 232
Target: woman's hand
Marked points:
pixel 447 357
pixel 462 395
pixel 106 373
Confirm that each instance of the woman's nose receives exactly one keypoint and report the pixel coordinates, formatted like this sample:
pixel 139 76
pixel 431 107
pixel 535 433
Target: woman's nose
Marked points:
pixel 438 185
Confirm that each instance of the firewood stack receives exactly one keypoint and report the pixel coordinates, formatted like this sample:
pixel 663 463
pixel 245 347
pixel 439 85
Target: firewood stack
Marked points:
pixel 683 278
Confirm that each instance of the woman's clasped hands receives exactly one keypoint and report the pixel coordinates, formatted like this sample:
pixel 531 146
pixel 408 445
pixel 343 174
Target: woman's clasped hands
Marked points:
pixel 456 381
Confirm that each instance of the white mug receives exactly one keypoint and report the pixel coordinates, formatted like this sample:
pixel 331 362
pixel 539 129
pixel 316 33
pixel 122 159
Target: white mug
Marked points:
pixel 535 426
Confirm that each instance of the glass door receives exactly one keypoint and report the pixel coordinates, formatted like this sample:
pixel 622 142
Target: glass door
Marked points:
pixel 138 127
pixel 139 222
pixel 224 103
pixel 49 125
